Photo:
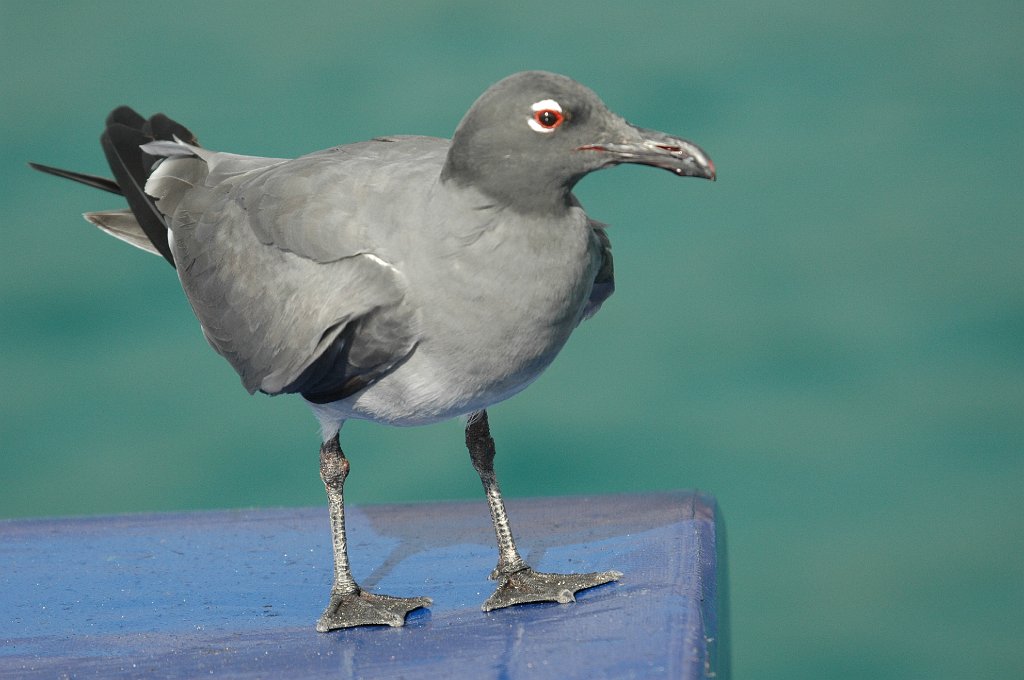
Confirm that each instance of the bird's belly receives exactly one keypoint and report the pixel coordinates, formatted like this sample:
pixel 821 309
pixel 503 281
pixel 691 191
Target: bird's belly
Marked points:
pixel 464 369
pixel 424 393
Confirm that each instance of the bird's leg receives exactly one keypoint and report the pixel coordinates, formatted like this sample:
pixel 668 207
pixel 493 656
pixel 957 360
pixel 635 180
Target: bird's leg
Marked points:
pixel 481 452
pixel 350 605
pixel 518 583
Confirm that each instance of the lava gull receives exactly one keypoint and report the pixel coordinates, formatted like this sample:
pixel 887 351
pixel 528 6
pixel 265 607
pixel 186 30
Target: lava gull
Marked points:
pixel 403 280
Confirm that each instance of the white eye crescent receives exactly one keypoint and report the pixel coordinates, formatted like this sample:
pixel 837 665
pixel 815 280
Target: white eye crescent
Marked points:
pixel 547 116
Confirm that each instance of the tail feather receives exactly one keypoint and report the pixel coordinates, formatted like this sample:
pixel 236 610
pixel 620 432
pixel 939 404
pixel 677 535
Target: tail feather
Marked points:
pixel 121 224
pixel 126 131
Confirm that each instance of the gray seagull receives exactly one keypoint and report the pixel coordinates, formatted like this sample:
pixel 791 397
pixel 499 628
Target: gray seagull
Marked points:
pixel 403 280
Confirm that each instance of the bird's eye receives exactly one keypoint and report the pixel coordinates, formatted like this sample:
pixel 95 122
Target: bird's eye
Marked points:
pixel 548 118
pixel 547 115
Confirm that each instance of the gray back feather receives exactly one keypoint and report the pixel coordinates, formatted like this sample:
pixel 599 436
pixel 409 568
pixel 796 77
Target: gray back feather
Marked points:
pixel 290 282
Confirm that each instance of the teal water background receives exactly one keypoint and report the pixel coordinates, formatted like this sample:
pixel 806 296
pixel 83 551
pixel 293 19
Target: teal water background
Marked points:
pixel 830 338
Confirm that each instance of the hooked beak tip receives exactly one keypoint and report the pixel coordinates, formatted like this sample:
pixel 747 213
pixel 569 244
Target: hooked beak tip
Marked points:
pixel 686 159
pixel 710 172
pixel 705 171
pixel 678 156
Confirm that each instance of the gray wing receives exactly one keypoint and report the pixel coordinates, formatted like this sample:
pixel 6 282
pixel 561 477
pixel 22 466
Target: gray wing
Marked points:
pixel 284 267
pixel 604 280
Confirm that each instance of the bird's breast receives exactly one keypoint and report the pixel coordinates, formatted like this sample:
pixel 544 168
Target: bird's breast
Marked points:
pixel 494 314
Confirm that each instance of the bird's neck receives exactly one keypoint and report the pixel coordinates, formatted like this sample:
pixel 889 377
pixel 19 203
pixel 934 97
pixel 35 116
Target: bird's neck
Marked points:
pixel 510 180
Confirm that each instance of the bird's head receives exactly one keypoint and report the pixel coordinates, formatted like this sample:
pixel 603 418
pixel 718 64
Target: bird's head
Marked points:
pixel 530 137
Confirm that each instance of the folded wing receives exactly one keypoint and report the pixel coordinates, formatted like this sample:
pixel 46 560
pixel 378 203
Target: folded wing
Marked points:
pixel 290 283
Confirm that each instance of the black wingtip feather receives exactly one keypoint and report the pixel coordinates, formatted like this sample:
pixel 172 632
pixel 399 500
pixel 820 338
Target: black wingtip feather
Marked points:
pixel 160 126
pixel 127 116
pixel 125 132
pixel 89 180
pixel 121 146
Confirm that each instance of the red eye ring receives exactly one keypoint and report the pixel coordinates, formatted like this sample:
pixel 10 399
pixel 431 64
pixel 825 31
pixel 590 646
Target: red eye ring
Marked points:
pixel 548 119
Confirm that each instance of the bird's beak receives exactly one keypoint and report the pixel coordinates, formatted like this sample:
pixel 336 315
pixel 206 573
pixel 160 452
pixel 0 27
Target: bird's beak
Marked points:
pixel 650 147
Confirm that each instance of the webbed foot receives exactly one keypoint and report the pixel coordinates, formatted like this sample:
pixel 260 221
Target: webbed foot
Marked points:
pixel 347 610
pixel 527 585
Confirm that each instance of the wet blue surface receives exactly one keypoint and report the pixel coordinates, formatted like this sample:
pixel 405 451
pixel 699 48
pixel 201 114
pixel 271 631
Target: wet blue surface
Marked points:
pixel 236 593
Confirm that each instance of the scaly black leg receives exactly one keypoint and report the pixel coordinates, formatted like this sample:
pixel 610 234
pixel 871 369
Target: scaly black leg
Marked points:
pixel 518 583
pixel 350 605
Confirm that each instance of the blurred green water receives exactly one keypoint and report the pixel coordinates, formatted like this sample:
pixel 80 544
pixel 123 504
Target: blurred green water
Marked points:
pixel 830 338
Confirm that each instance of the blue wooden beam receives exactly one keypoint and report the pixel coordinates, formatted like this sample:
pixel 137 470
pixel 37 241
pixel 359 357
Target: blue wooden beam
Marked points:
pixel 236 593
